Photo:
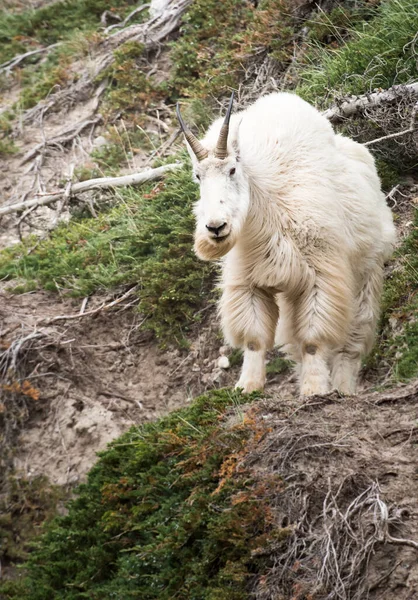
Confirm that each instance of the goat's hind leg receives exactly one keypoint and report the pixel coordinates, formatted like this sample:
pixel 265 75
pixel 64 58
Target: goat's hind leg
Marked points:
pixel 249 320
pixel 322 317
pixel 347 362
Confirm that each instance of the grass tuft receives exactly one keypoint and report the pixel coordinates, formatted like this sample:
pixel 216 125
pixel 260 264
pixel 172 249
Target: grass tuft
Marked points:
pixel 380 54
pixel 397 343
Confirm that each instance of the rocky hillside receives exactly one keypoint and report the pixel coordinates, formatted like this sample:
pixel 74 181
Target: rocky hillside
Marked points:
pixel 107 320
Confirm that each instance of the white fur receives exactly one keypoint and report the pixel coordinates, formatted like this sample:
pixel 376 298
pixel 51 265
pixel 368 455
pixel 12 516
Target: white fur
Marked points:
pixel 306 231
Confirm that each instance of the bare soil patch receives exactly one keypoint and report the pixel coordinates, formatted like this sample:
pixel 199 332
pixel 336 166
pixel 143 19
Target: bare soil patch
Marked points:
pixel 349 501
pixel 96 377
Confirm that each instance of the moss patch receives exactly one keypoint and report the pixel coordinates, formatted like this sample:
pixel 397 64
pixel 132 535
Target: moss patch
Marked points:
pixel 169 511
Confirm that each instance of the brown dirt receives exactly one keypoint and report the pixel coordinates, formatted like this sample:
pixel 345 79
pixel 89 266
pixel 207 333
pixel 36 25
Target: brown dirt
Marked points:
pixel 97 376
pixel 329 451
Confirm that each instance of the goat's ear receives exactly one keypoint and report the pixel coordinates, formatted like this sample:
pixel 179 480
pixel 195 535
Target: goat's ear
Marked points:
pixel 235 141
pixel 191 154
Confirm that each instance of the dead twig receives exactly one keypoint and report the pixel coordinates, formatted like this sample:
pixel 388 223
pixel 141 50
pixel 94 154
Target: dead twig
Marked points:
pixel 14 62
pixel 94 311
pixel 412 127
pixel 91 184
pixel 128 18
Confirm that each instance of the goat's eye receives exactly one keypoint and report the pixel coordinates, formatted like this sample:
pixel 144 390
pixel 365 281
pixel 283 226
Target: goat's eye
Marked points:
pixel 232 171
pixel 197 176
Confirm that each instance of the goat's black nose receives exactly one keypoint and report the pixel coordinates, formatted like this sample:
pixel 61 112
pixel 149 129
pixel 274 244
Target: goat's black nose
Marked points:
pixel 216 229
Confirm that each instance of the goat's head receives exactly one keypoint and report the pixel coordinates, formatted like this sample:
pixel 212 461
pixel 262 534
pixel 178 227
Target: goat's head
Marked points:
pixel 224 196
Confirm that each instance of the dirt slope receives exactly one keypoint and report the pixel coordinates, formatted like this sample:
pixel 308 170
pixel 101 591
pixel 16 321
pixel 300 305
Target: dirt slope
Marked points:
pixel 350 465
pixel 96 376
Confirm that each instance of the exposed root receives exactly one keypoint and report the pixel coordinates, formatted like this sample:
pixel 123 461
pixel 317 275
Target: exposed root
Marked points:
pixel 326 557
pixel 18 396
pixel 103 307
pixel 61 139
pixel 10 64
pixel 123 23
pixel 151 34
pixel 336 518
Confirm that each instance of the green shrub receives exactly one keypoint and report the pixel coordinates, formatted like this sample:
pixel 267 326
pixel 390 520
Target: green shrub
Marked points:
pixel 218 40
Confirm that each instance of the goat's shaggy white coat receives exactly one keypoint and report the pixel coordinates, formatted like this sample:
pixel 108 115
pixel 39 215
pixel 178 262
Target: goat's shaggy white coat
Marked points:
pixel 306 231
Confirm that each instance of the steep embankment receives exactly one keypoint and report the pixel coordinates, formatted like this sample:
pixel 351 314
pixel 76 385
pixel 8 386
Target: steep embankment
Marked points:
pixel 230 498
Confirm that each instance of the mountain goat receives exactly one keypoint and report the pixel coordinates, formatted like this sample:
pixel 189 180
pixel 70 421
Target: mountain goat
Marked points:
pixel 297 215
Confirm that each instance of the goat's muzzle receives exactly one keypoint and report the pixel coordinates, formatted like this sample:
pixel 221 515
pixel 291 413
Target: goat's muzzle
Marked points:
pixel 219 230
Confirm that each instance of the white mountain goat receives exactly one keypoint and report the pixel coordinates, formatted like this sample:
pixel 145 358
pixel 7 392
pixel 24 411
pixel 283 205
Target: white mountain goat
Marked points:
pixel 297 213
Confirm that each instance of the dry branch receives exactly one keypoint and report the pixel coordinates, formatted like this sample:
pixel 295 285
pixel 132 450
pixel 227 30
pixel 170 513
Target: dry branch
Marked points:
pixel 15 61
pixel 137 10
pixel 99 183
pixel 354 106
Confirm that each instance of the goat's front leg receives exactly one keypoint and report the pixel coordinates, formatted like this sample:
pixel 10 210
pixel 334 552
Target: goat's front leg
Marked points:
pixel 249 318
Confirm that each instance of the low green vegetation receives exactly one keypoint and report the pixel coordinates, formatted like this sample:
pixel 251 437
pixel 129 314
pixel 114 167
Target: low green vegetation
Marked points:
pixel 219 40
pixel 169 511
pixel 7 147
pixel 380 53
pixel 397 345
pixel 278 365
pixel 24 506
pixel 55 22
pixel 145 239
pixel 130 86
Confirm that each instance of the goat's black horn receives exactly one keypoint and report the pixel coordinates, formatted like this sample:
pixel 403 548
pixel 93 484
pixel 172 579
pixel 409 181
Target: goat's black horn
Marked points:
pixel 222 145
pixel 199 151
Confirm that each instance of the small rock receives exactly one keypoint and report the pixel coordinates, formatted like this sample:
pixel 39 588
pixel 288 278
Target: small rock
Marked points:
pixel 217 377
pixel 195 367
pixel 223 362
pixel 224 350
pixel 100 141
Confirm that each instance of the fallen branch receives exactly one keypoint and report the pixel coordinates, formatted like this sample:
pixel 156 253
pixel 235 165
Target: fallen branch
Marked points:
pixel 14 62
pixel 354 106
pixel 403 394
pixel 61 139
pixel 99 183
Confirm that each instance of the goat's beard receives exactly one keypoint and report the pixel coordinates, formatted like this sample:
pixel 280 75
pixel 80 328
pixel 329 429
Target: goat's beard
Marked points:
pixel 207 248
